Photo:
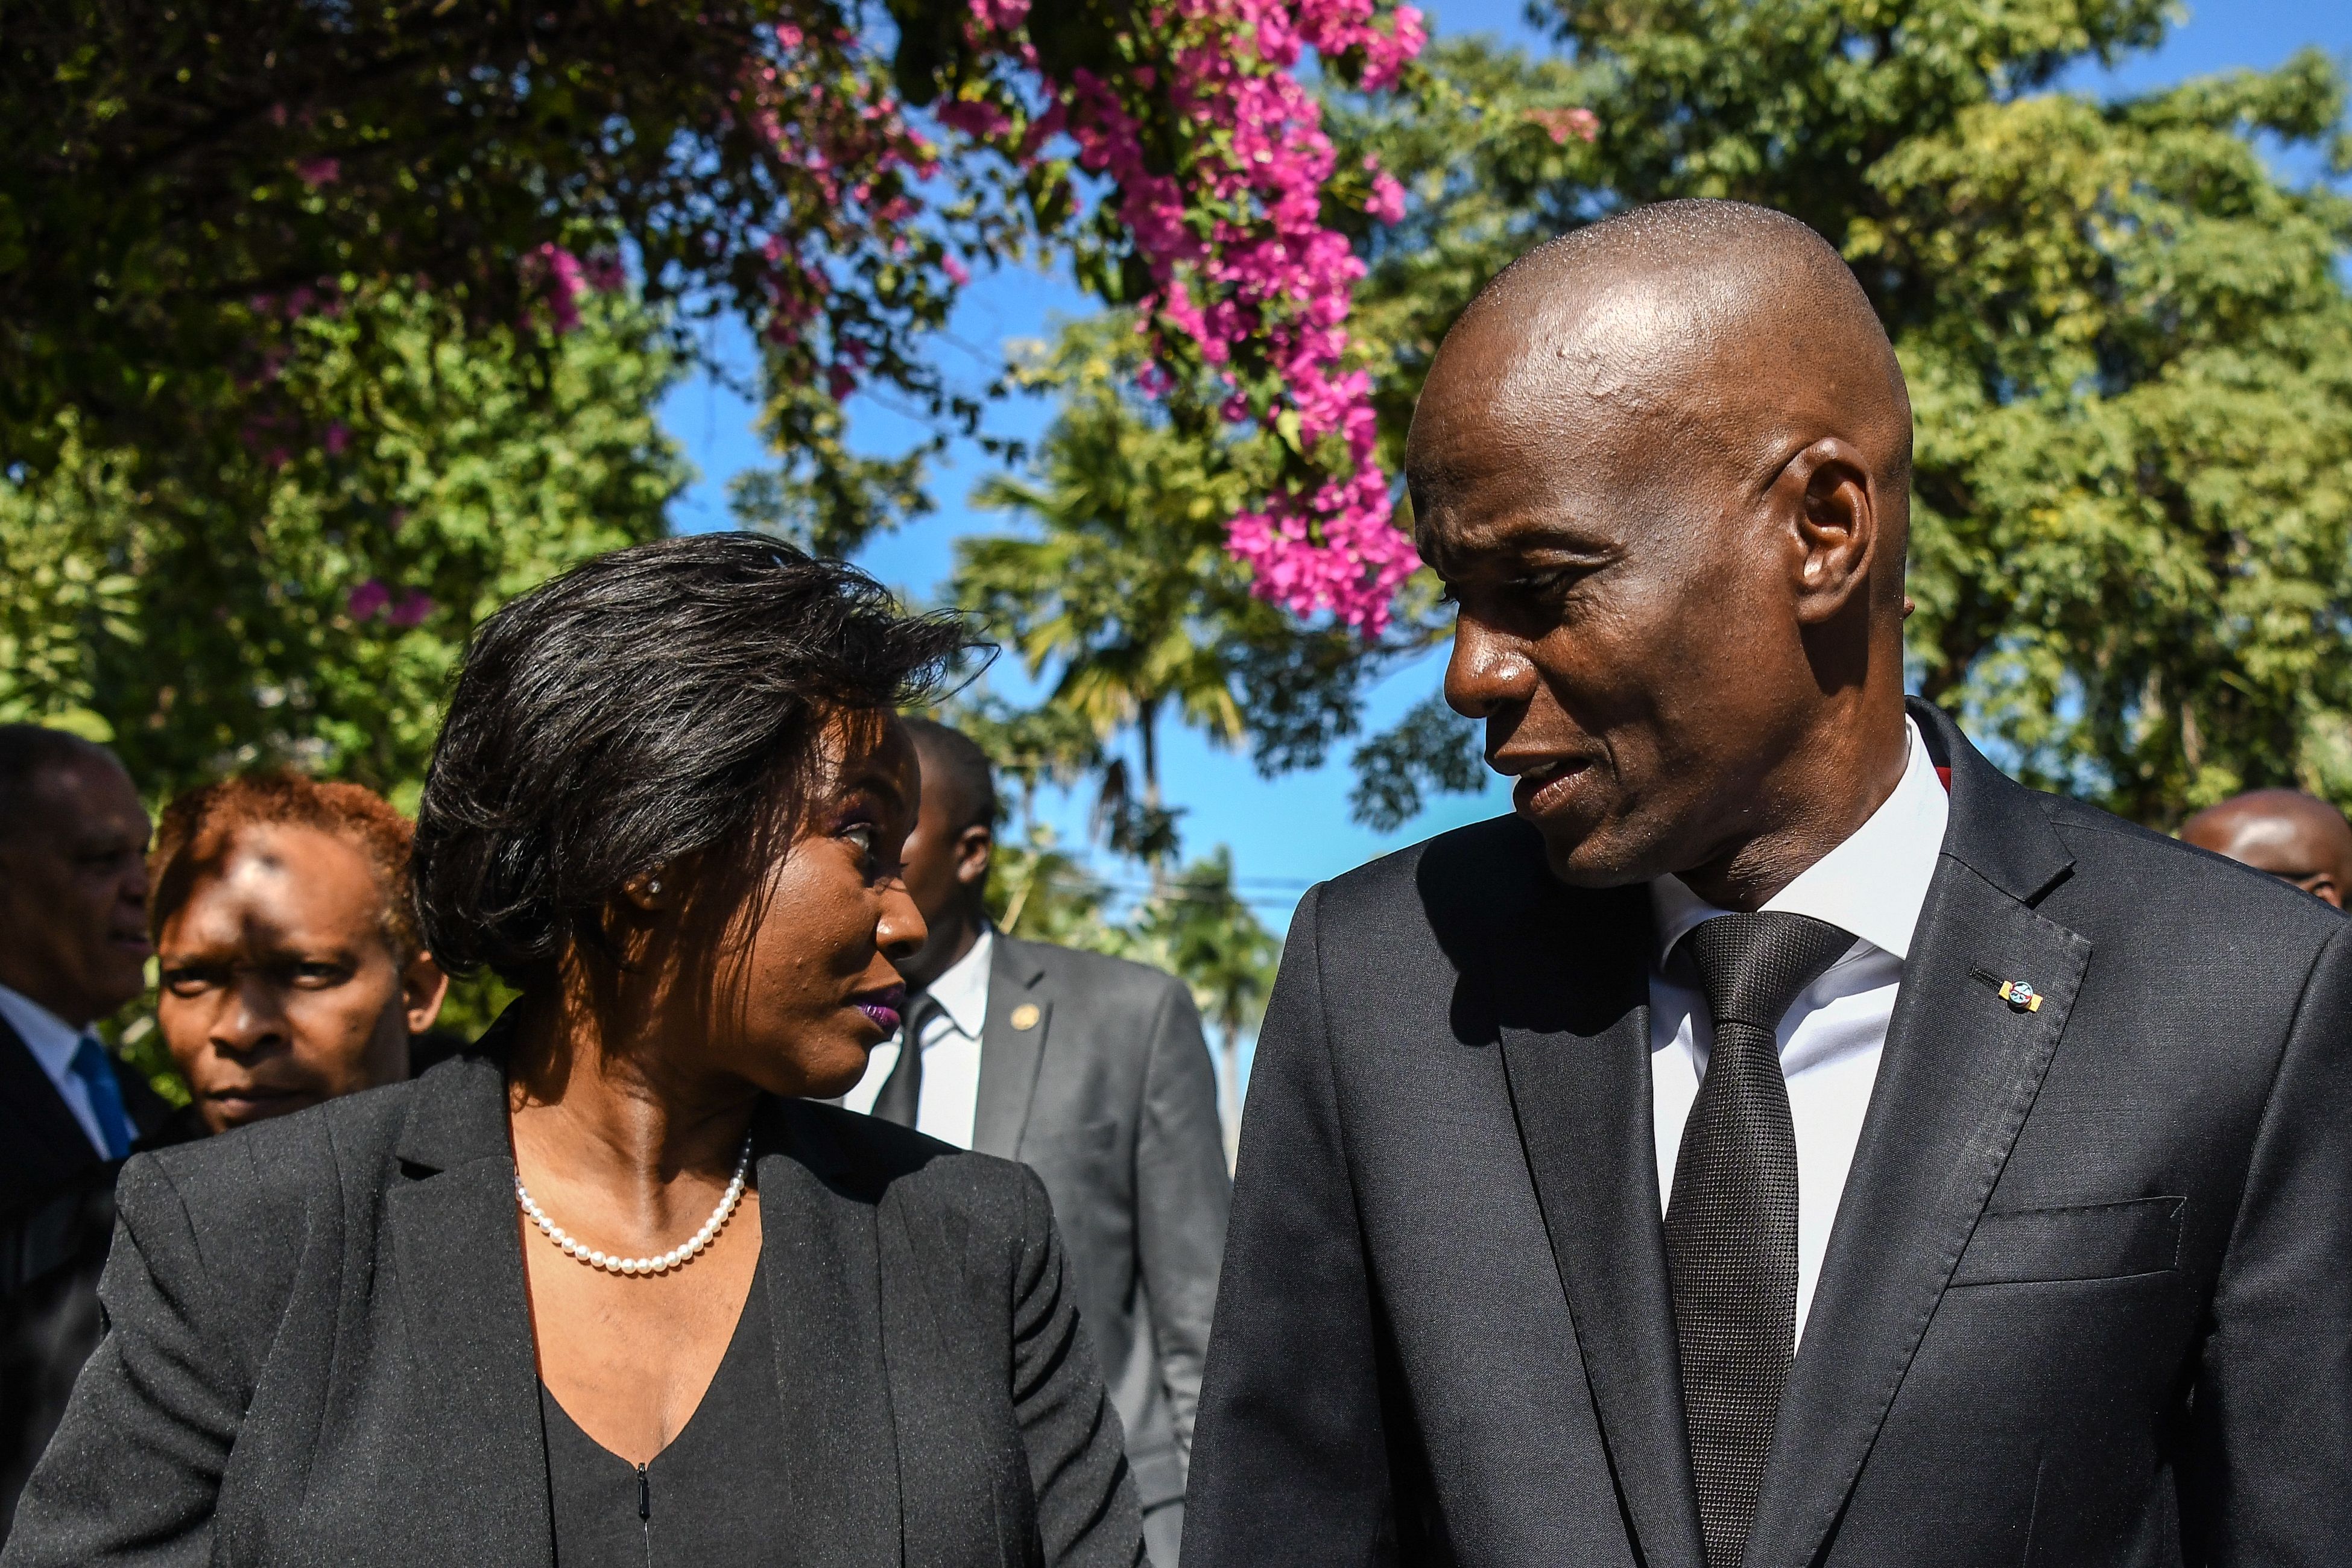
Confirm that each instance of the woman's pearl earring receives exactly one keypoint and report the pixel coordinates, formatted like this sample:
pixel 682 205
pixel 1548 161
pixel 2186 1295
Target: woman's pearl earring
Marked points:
pixel 653 886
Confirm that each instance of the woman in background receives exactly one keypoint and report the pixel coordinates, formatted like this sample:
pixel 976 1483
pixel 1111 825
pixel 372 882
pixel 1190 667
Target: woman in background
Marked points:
pixel 290 967
pixel 613 1291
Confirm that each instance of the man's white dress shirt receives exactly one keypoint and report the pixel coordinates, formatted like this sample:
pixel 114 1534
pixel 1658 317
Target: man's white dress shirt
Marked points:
pixel 53 1042
pixel 951 1045
pixel 1874 885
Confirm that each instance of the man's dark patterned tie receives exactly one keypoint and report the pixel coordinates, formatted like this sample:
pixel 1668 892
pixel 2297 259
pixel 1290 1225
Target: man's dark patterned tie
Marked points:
pixel 1731 1228
pixel 901 1096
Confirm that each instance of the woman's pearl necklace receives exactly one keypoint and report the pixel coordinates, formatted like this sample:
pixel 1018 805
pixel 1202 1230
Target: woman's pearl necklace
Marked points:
pixel 677 1256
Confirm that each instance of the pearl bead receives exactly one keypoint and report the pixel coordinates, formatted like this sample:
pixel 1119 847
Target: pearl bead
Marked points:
pixel 660 1263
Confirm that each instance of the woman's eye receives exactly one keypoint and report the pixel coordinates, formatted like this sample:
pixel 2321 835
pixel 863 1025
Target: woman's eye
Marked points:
pixel 862 836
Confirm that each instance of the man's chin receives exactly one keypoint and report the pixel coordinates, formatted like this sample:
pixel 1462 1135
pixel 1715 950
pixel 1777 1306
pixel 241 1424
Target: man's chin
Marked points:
pixel 1592 859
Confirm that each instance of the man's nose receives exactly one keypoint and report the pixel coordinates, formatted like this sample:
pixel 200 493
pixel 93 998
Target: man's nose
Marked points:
pixel 1488 672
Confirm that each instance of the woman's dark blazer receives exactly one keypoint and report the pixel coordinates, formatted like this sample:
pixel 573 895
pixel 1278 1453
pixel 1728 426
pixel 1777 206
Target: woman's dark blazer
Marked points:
pixel 319 1352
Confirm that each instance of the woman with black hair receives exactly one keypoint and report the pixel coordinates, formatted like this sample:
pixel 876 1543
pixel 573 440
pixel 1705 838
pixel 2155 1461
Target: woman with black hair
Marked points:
pixel 614 1290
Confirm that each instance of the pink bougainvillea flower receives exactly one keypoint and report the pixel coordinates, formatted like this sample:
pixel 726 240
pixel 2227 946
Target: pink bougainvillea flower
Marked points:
pixel 369 599
pixel 1563 123
pixel 338 437
pixel 563 278
pixel 317 171
pixel 411 608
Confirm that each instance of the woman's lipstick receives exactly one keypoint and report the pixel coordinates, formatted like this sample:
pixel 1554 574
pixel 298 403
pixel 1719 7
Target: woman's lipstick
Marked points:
pixel 883 1006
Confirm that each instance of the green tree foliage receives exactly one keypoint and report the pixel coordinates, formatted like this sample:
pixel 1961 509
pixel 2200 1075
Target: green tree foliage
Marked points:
pixel 308 604
pixel 1120 594
pixel 2128 341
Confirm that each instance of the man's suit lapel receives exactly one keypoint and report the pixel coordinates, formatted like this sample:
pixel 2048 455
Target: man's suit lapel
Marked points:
pixel 1009 1057
pixel 1571 990
pixel 1960 1070
pixel 821 1264
pixel 458 1254
pixel 49 1137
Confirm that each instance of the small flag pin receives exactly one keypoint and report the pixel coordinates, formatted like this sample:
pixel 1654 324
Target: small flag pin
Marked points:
pixel 2022 995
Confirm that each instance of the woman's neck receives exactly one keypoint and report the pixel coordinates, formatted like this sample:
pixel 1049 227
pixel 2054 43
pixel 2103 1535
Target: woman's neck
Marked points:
pixel 627 1111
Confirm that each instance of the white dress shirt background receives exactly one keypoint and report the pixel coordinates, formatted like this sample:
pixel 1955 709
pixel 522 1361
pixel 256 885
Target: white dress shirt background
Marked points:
pixel 951 1047
pixel 1874 885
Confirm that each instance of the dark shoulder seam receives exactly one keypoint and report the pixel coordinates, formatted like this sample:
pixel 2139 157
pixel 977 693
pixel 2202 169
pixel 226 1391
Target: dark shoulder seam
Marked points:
pixel 2278 1072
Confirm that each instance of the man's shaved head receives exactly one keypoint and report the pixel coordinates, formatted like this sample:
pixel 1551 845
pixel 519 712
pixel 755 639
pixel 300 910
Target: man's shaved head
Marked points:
pixel 1707 318
pixel 1664 463
pixel 2292 836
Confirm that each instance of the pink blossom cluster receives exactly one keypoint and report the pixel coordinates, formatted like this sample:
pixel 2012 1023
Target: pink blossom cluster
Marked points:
pixel 1245 273
pixel 850 162
pixel 1265 278
pixel 564 278
pixel 1562 123
pixel 403 608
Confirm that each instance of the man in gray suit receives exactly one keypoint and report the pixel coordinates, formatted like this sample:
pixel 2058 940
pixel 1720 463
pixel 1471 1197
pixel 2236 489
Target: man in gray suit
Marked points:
pixel 1092 1072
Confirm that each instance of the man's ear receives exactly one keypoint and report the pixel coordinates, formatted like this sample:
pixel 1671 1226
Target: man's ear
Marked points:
pixel 974 848
pixel 423 987
pixel 1836 527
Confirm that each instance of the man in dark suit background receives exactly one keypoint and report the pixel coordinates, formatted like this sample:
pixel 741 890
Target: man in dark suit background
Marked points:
pixel 73 949
pixel 1091 1070
pixel 1750 1152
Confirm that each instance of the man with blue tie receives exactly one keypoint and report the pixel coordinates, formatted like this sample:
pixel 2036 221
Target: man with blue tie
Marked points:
pixel 73 948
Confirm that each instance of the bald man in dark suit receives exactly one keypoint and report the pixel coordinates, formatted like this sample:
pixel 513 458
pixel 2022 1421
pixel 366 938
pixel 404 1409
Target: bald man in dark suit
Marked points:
pixel 1785 1142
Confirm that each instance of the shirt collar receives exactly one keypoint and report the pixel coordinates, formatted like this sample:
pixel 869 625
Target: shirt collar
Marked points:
pixel 51 1038
pixel 1874 884
pixel 961 991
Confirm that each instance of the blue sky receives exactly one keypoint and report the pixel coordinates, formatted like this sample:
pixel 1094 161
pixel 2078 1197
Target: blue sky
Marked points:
pixel 1290 832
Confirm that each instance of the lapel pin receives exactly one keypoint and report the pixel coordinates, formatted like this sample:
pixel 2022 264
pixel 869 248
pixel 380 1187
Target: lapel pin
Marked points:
pixel 2020 995
pixel 1026 1016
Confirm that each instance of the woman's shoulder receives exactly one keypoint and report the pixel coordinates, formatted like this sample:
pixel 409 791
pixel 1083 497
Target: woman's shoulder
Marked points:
pixel 885 1162
pixel 258 1177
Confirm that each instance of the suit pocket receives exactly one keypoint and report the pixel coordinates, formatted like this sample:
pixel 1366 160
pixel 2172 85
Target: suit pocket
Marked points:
pixel 2082 1241
pixel 1080 1142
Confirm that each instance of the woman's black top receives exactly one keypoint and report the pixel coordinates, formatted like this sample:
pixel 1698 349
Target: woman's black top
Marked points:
pixel 320 1350
pixel 714 1499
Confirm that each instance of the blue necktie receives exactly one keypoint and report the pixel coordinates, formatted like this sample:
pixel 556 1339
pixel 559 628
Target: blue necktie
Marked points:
pixel 97 1074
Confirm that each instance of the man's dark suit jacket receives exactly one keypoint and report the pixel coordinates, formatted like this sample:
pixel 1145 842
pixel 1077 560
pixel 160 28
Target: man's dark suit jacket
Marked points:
pixel 1109 1096
pixel 320 1352
pixel 42 1144
pixel 2088 1300
pixel 57 1211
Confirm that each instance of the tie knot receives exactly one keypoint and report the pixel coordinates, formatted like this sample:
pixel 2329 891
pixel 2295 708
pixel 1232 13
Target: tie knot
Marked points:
pixel 921 1008
pixel 1752 967
pixel 89 1060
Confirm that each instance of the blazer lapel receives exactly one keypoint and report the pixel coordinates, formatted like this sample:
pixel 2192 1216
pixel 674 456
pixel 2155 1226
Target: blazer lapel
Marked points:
pixel 1012 1044
pixel 41 1119
pixel 1576 1051
pixel 820 1262
pixel 458 1255
pixel 1960 1071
